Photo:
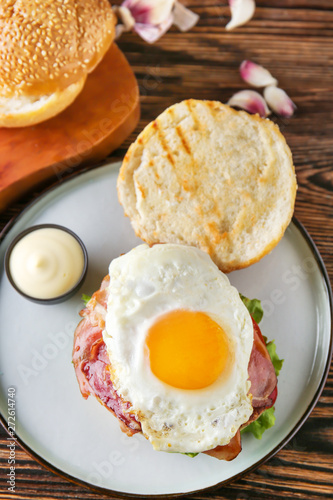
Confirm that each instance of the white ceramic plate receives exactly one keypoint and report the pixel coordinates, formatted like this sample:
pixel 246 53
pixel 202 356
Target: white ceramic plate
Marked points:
pixel 80 439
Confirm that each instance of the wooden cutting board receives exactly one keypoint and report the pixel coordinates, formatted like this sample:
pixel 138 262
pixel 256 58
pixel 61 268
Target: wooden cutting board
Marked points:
pixel 99 120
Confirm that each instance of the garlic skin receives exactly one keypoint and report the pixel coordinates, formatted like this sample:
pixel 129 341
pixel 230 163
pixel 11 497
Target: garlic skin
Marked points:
pixel 149 11
pixel 241 12
pixel 184 18
pixel 279 101
pixel 251 101
pixel 150 19
pixel 150 33
pixel 127 20
pixel 256 75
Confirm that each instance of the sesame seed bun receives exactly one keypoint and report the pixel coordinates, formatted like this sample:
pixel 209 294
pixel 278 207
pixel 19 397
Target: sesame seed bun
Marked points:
pixel 206 175
pixel 49 48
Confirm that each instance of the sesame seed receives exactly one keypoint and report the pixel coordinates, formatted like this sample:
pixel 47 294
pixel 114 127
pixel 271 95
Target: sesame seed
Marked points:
pixel 61 37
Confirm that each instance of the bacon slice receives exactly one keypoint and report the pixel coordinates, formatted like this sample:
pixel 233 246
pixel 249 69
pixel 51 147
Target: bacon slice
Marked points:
pixel 261 372
pixel 92 367
pixel 92 363
pixel 263 390
pixel 229 451
pixel 86 335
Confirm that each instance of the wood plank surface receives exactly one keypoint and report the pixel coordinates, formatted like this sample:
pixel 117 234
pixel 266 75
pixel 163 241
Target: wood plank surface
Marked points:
pixel 294 40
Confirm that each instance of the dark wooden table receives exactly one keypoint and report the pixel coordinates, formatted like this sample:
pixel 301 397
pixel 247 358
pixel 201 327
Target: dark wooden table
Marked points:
pixel 294 39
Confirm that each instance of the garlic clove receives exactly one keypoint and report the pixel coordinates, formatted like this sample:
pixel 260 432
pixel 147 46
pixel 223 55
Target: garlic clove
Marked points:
pixel 256 75
pixel 152 12
pixel 150 33
pixel 250 101
pixel 241 12
pixel 126 18
pixel 152 18
pixel 279 101
pixel 184 18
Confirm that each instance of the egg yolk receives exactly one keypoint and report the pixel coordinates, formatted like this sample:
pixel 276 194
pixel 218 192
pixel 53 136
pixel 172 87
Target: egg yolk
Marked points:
pixel 188 349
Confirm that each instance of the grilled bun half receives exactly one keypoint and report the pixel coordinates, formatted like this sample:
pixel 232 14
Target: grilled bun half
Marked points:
pixel 47 50
pixel 203 174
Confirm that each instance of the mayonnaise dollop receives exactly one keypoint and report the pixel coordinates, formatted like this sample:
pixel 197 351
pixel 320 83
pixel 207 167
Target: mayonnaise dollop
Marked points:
pixel 46 263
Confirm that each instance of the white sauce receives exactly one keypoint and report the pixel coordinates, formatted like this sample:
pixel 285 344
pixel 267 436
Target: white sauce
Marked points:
pixel 46 263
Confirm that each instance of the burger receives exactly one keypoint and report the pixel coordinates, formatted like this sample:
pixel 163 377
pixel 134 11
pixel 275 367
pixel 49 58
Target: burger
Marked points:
pixel 167 344
pixel 170 348
pixel 47 49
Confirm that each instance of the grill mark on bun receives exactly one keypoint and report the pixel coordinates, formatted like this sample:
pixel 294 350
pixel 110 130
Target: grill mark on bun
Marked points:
pixel 231 192
pixel 164 143
pixel 185 144
pixel 196 121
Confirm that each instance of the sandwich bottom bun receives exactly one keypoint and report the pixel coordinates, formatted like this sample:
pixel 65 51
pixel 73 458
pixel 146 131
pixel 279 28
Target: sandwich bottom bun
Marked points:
pixel 25 110
pixel 206 175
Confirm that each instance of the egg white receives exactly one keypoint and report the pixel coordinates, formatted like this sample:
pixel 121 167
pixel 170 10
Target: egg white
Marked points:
pixel 146 283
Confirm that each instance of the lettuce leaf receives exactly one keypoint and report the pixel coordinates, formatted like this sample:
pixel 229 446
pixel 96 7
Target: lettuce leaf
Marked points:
pixel 259 426
pixel 277 362
pixel 254 307
pixel 85 298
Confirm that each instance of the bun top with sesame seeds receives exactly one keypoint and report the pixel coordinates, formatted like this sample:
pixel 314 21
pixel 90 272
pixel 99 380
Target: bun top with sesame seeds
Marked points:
pixel 48 45
pixel 206 175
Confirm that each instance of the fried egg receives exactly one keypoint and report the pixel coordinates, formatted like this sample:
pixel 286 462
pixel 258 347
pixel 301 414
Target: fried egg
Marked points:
pixel 179 340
